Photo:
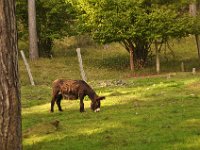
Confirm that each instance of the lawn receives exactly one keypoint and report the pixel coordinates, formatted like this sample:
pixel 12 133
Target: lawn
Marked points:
pixel 151 113
pixel 140 113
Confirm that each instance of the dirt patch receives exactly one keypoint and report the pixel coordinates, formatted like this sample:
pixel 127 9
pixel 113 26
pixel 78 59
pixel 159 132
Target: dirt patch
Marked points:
pixel 194 86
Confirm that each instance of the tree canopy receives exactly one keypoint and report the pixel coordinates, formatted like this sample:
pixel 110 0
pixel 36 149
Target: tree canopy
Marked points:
pixel 54 21
pixel 135 23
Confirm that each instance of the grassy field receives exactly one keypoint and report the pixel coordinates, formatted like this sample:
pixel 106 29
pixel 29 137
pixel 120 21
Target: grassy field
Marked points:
pixel 139 113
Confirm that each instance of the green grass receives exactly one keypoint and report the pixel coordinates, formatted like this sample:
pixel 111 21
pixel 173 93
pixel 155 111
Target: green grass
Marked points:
pixel 151 113
pixel 144 113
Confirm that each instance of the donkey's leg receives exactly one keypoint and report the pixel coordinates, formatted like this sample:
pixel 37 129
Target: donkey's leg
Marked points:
pixel 59 98
pixel 54 97
pixel 99 104
pixel 52 103
pixel 82 106
pixel 81 103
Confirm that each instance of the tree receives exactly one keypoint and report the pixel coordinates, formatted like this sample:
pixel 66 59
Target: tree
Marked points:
pixel 193 12
pixel 10 108
pixel 135 24
pixel 55 20
pixel 33 45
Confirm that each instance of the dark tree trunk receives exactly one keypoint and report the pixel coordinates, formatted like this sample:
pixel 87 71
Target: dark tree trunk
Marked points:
pixel 33 44
pixel 131 51
pixel 198 44
pixel 138 51
pixel 141 52
pixel 45 47
pixel 10 106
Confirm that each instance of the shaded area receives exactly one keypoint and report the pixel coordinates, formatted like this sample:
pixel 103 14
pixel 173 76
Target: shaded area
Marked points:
pixel 119 127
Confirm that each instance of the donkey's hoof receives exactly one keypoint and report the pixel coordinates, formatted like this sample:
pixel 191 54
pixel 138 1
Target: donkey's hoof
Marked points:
pixel 97 110
pixel 82 111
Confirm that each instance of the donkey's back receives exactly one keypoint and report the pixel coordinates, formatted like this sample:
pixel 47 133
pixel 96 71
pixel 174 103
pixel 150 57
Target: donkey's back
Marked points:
pixel 70 86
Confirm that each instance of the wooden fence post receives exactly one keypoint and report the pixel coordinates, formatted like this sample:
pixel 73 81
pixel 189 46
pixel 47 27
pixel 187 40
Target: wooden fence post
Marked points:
pixel 27 68
pixel 194 71
pixel 81 64
pixel 182 67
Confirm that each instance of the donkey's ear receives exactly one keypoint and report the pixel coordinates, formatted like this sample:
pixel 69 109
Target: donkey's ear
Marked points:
pixel 100 98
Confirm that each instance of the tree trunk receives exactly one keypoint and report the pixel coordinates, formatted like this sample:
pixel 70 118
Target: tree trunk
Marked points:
pixel 33 46
pixel 157 58
pixel 198 44
pixel 138 51
pixel 193 9
pixel 131 51
pixel 45 46
pixel 193 12
pixel 10 106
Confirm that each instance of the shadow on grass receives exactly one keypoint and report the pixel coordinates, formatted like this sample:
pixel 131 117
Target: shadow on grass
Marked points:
pixel 145 125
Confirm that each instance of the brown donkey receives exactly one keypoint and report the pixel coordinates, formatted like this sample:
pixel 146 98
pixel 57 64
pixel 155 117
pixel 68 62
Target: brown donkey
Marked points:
pixel 74 89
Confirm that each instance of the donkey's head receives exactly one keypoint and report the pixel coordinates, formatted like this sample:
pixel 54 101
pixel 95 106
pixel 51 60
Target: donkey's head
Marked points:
pixel 96 103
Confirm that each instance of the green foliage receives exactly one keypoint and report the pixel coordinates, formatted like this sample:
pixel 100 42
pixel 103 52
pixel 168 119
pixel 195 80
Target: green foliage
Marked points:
pixel 54 21
pixel 116 21
pixel 134 23
pixel 55 18
pixel 195 30
pixel 22 19
pixel 164 23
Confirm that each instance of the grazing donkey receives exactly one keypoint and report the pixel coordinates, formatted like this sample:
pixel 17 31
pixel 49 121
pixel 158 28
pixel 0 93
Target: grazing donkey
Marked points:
pixel 74 89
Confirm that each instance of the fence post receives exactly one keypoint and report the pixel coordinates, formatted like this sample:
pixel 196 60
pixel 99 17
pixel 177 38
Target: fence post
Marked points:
pixel 27 68
pixel 193 70
pixel 81 64
pixel 182 67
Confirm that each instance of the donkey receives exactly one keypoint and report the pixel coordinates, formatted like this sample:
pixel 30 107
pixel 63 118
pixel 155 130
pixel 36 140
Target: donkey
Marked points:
pixel 72 90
